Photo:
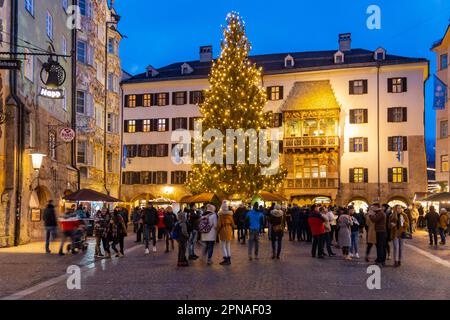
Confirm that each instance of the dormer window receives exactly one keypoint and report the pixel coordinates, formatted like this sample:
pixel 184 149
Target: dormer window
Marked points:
pixel 289 61
pixel 380 54
pixel 152 72
pixel 186 69
pixel 339 57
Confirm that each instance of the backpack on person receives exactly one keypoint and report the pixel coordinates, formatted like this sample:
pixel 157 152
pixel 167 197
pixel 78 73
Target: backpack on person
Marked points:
pixel 169 221
pixel 176 232
pixel 204 226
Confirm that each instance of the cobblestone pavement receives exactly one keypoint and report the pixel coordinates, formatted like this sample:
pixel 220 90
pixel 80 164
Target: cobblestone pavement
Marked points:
pixel 155 276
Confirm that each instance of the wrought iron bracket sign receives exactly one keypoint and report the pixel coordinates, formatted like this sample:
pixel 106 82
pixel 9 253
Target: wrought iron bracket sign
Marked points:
pixel 51 93
pixel 10 64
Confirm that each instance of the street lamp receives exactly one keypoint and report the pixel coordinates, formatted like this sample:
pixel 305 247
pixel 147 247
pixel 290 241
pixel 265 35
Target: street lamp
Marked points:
pixel 168 190
pixel 36 159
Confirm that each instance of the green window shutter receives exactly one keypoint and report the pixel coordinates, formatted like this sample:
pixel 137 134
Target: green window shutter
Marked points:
pixel 390 114
pixel 404 84
pixel 390 175
pixel 366 144
pixel 405 174
pixel 365 88
pixel 366 175
pixel 389 85
pixel 351 175
pixel 390 144
pixel 366 116
pixel 352 116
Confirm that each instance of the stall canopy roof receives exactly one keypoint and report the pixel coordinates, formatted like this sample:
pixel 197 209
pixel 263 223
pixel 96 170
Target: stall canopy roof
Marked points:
pixel 90 195
pixel 202 197
pixel 269 196
pixel 439 197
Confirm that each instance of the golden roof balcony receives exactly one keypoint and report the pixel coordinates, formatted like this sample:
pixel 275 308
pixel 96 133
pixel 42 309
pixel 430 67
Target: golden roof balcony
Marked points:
pixel 311 143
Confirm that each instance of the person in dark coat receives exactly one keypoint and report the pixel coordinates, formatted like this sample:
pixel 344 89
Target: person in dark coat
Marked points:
pixel 240 215
pixel 378 217
pixel 289 223
pixel 150 220
pixel 432 219
pixel 170 218
pixel 116 232
pixel 296 223
pixel 50 223
pixel 101 221
pixel 136 219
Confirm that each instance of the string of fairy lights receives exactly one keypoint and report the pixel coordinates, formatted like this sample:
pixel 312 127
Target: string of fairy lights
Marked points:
pixel 235 100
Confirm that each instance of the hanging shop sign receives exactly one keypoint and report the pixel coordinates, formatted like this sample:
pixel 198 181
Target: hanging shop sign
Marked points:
pixel 36 215
pixel 53 77
pixel 51 93
pixel 53 74
pixel 8 64
pixel 67 134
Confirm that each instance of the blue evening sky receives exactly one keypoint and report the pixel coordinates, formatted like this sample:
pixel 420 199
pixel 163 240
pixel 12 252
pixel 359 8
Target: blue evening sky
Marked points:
pixel 163 32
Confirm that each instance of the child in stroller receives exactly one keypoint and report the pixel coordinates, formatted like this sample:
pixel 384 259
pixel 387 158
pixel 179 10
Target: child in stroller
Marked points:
pixel 75 229
pixel 79 236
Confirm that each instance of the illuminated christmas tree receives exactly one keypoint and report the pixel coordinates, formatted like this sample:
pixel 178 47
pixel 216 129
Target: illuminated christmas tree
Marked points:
pixel 235 100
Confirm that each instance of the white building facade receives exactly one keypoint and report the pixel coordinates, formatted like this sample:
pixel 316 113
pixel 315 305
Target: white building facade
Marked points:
pixel 351 124
pixel 442 49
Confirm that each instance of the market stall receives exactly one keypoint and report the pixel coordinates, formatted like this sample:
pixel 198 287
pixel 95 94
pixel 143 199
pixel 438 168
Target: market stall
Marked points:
pixel 90 199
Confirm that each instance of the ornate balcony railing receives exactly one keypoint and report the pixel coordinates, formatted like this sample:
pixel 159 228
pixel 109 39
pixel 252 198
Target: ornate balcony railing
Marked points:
pixel 312 183
pixel 312 142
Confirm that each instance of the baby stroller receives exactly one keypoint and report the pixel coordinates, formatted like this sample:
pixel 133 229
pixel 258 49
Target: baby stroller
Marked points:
pixel 78 234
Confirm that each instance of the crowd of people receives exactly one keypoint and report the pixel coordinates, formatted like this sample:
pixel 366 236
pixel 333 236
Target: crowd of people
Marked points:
pixel 326 228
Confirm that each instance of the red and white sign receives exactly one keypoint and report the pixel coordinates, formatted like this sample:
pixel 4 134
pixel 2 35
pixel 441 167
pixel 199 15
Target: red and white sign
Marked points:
pixel 67 134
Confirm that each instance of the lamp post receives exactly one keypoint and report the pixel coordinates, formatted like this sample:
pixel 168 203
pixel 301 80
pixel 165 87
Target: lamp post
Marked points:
pixel 36 161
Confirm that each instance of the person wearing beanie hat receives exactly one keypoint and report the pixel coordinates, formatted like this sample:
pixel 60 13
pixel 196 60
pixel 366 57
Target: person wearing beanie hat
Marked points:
pixel 225 226
pixel 208 230
pixel 276 221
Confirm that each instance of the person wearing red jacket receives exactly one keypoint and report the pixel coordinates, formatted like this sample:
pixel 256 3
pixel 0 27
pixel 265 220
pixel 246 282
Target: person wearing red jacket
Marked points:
pixel 316 223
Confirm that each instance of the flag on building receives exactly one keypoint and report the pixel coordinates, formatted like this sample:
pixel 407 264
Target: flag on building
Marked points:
pixel 124 157
pixel 440 94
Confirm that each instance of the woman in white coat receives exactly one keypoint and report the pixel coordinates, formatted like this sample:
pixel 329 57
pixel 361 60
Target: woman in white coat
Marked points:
pixel 208 230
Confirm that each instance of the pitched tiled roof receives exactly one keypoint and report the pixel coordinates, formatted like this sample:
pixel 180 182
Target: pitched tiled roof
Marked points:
pixel 274 64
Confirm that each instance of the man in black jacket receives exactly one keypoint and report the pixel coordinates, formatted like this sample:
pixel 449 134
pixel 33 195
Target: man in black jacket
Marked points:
pixel 50 224
pixel 241 214
pixel 150 220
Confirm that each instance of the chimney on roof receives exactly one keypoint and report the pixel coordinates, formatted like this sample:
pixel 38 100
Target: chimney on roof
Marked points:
pixel 206 53
pixel 345 42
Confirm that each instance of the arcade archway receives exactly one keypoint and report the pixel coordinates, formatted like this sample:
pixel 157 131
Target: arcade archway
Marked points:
pixel 359 203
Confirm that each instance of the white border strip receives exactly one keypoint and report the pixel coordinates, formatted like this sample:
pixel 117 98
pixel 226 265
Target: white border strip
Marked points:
pixel 429 255
pixel 48 283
